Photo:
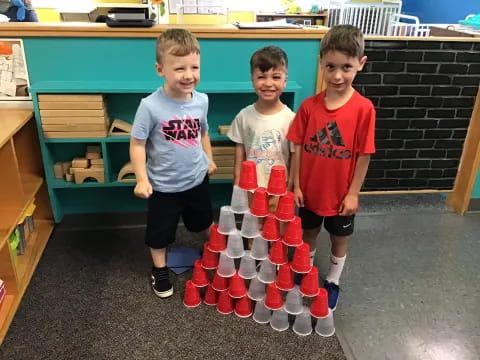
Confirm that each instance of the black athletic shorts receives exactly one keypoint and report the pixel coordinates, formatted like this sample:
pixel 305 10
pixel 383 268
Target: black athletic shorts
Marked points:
pixel 165 209
pixel 336 225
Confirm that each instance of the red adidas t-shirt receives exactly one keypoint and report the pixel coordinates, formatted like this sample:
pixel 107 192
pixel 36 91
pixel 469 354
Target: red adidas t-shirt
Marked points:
pixel 331 142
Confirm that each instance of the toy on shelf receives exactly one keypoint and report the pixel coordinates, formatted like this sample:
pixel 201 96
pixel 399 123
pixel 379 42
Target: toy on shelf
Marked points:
pixel 223 129
pixel 82 168
pixel 120 128
pixel 126 173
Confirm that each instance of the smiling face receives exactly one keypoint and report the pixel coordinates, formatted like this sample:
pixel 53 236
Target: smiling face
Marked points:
pixel 181 73
pixel 340 70
pixel 269 84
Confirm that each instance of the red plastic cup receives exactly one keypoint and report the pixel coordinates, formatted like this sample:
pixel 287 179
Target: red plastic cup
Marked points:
pixel 293 233
pixel 243 307
pixel 259 206
pixel 225 303
pixel 278 253
pixel 191 298
pixel 319 306
pixel 218 242
pixel 309 284
pixel 286 207
pixel 271 229
pixel 301 259
pixel 219 283
pixel 277 183
pixel 284 279
pixel 273 299
pixel 248 176
pixel 237 288
pixel 209 258
pixel 211 296
pixel 200 276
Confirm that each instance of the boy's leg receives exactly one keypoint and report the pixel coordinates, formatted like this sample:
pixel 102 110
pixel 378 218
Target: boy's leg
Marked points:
pixel 198 214
pixel 311 224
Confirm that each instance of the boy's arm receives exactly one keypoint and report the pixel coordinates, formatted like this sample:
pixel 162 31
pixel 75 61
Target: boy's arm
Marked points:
pixel 138 158
pixel 207 147
pixel 295 174
pixel 237 162
pixel 349 205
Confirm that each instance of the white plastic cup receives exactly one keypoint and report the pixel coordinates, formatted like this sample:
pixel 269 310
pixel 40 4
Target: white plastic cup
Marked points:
pixel 279 320
pixel 261 315
pixel 325 326
pixel 235 246
pixel 294 301
pixel 256 290
pixel 239 202
pixel 259 248
pixel 226 222
pixel 226 265
pixel 303 323
pixel 268 272
pixel 250 227
pixel 248 268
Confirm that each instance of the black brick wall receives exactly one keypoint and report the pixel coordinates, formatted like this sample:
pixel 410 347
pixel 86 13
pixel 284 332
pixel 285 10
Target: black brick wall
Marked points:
pixel 424 93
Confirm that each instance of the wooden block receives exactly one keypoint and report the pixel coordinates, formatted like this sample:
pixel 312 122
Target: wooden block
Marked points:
pixel 82 174
pixel 120 128
pixel 96 161
pixel 93 155
pixel 223 157
pixel 58 170
pixel 74 127
pixel 222 176
pixel 69 177
pixel 72 170
pixel 101 120
pixel 71 105
pixel 74 134
pixel 81 163
pixel 224 162
pixel 94 149
pixel 223 150
pixel 96 166
pixel 75 113
pixel 224 170
pixel 70 97
pixel 66 165
pixel 125 174
pixel 223 129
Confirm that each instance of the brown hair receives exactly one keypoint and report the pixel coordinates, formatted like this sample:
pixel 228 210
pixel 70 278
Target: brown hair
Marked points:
pixel 177 42
pixel 267 58
pixel 347 39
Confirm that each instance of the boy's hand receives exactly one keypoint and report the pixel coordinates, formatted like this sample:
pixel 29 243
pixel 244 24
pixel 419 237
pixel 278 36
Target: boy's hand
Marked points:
pixel 349 205
pixel 298 195
pixel 212 168
pixel 143 190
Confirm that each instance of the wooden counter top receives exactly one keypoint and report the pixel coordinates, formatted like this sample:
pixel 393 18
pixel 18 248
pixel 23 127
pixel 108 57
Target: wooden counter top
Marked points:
pixel 11 120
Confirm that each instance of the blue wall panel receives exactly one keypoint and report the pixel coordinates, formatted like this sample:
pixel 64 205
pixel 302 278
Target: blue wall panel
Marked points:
pixel 441 11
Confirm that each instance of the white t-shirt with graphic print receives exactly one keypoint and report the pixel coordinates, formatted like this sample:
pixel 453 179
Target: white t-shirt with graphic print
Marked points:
pixel 264 138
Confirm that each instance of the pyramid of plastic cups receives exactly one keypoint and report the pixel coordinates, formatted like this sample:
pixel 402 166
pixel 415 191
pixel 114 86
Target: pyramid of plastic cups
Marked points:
pixel 267 272
pixel 225 303
pixel 211 296
pixel 301 259
pixel 217 242
pixel 325 325
pixel 278 253
pixel 259 206
pixel 294 302
pixel 243 307
pixel 248 176
pixel 248 268
pixel 200 276
pixel 237 288
pixel 209 258
pixel 273 298
pixel 226 222
pixel 239 201
pixel 277 182
pixel 219 283
pixel 235 246
pixel 279 320
pixel 293 235
pixel 271 229
pixel 284 279
pixel 309 285
pixel 261 315
pixel 249 226
pixel 319 306
pixel 259 248
pixel 303 323
pixel 256 290
pixel 191 298
pixel 226 265
pixel 286 207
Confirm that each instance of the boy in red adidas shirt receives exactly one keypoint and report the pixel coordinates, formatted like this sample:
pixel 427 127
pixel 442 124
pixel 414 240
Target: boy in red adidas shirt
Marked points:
pixel 333 133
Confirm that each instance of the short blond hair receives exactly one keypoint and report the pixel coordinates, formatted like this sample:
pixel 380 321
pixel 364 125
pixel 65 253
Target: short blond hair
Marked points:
pixel 177 42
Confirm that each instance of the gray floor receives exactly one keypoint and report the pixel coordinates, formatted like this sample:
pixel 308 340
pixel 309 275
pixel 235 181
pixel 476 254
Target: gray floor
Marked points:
pixel 411 285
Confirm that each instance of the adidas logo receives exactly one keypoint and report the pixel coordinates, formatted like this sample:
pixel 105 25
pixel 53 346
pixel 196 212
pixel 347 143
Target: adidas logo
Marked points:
pixel 325 142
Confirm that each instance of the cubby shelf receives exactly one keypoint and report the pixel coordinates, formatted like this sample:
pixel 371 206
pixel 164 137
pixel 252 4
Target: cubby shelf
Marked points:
pixel 62 184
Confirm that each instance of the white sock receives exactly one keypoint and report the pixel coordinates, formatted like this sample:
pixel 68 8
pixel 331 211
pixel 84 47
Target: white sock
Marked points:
pixel 312 256
pixel 336 268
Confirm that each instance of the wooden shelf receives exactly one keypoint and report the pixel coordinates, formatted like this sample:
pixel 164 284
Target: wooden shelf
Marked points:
pixel 11 121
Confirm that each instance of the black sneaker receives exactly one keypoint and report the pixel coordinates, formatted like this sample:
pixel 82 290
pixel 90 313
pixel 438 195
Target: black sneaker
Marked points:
pixel 161 285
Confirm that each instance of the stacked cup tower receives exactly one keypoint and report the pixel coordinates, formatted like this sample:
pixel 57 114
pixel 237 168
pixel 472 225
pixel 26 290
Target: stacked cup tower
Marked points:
pixel 259 282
